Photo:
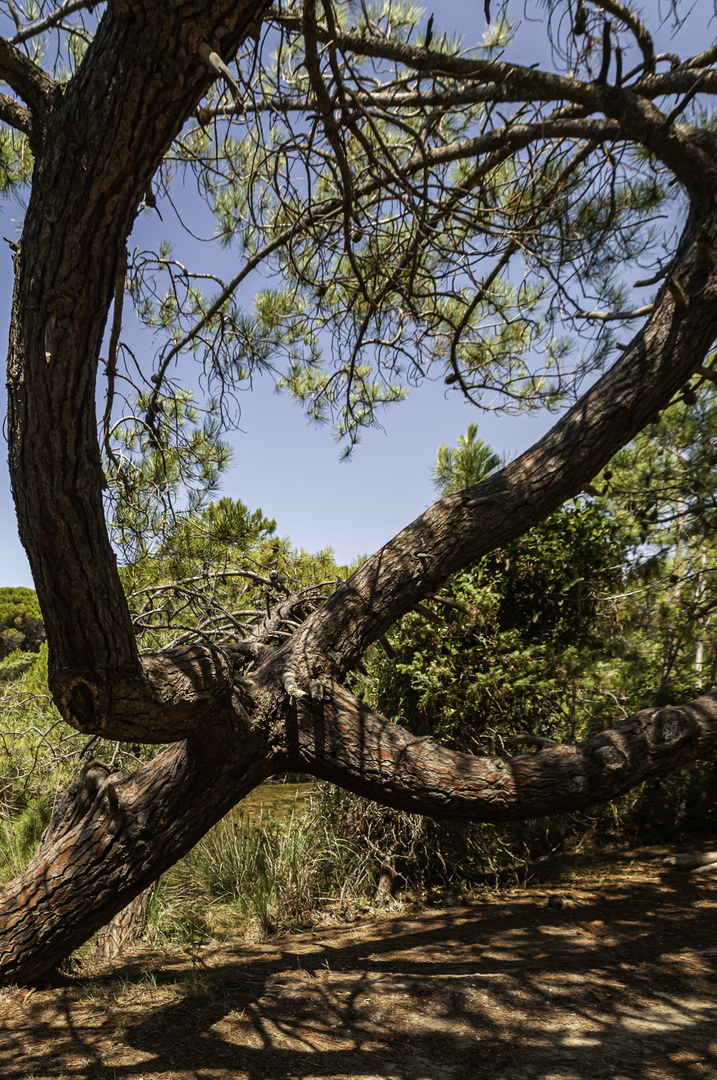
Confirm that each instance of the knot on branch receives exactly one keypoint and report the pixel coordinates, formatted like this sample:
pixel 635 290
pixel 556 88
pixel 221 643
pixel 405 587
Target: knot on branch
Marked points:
pixel 76 802
pixel 669 727
pixel 81 705
pixel 609 757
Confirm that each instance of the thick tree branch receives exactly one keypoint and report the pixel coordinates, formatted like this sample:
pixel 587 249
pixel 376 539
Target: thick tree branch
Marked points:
pixel 34 86
pixel 113 837
pixel 15 115
pixel 117 102
pixel 131 828
pixel 678 81
pixel 140 79
pixel 344 742
pixel 703 59
pixel 135 827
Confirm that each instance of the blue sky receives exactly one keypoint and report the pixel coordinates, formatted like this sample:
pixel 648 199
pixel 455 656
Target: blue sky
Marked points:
pixel 291 469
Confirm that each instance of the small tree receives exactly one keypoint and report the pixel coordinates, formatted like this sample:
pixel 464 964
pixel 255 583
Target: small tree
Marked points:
pixel 465 465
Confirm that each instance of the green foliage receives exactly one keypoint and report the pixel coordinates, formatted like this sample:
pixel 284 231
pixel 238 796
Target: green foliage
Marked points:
pixel 15 664
pixel 16 161
pixel 214 538
pixel 662 488
pixel 584 614
pixel 468 463
pixel 21 628
pixel 274 873
pixel 219 573
pixel 162 463
pixel 19 838
pixel 524 651
pixel 39 753
pixel 399 247
pixel 560 634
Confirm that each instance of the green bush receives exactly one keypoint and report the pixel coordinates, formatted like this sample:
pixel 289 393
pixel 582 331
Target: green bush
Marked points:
pixel 21 628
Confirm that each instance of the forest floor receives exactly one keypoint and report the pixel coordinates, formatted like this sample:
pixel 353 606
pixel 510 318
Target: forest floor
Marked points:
pixel 612 973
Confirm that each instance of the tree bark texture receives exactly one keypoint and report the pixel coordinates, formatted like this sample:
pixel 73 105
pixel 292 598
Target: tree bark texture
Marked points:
pixel 97 142
pixel 125 929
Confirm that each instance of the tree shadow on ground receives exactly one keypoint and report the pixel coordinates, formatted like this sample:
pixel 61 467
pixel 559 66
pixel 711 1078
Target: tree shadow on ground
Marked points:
pixel 619 981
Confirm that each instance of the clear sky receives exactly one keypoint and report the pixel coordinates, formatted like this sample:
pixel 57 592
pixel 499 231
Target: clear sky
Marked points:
pixel 291 469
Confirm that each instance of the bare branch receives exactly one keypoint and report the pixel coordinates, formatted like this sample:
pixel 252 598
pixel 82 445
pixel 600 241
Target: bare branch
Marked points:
pixel 431 98
pixel 112 352
pixel 682 105
pixel 642 35
pixel 53 19
pixel 703 59
pixel 515 136
pixel 617 316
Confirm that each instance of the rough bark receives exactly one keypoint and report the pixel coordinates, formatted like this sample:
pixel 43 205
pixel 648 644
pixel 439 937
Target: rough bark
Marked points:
pixel 105 137
pixel 342 741
pixel 136 827
pixel 125 929
pixel 97 143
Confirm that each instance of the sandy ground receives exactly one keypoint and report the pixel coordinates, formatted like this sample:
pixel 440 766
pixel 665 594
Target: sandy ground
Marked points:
pixel 613 974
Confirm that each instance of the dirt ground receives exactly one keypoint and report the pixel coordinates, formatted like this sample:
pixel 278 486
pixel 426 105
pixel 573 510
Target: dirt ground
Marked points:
pixel 612 974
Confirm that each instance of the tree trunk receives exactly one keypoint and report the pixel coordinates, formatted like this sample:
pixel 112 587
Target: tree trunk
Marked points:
pixel 125 929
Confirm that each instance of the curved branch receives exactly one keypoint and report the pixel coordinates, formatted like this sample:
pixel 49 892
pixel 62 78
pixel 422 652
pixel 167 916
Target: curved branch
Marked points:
pixel 115 835
pixel 344 742
pixel 630 19
pixel 119 103
pixel 460 528
pixel 512 137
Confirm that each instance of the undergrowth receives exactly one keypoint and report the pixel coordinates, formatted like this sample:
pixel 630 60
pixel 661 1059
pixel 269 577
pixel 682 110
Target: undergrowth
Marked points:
pixel 268 876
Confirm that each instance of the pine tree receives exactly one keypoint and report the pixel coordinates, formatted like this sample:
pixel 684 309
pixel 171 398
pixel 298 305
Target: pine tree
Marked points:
pixel 419 210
